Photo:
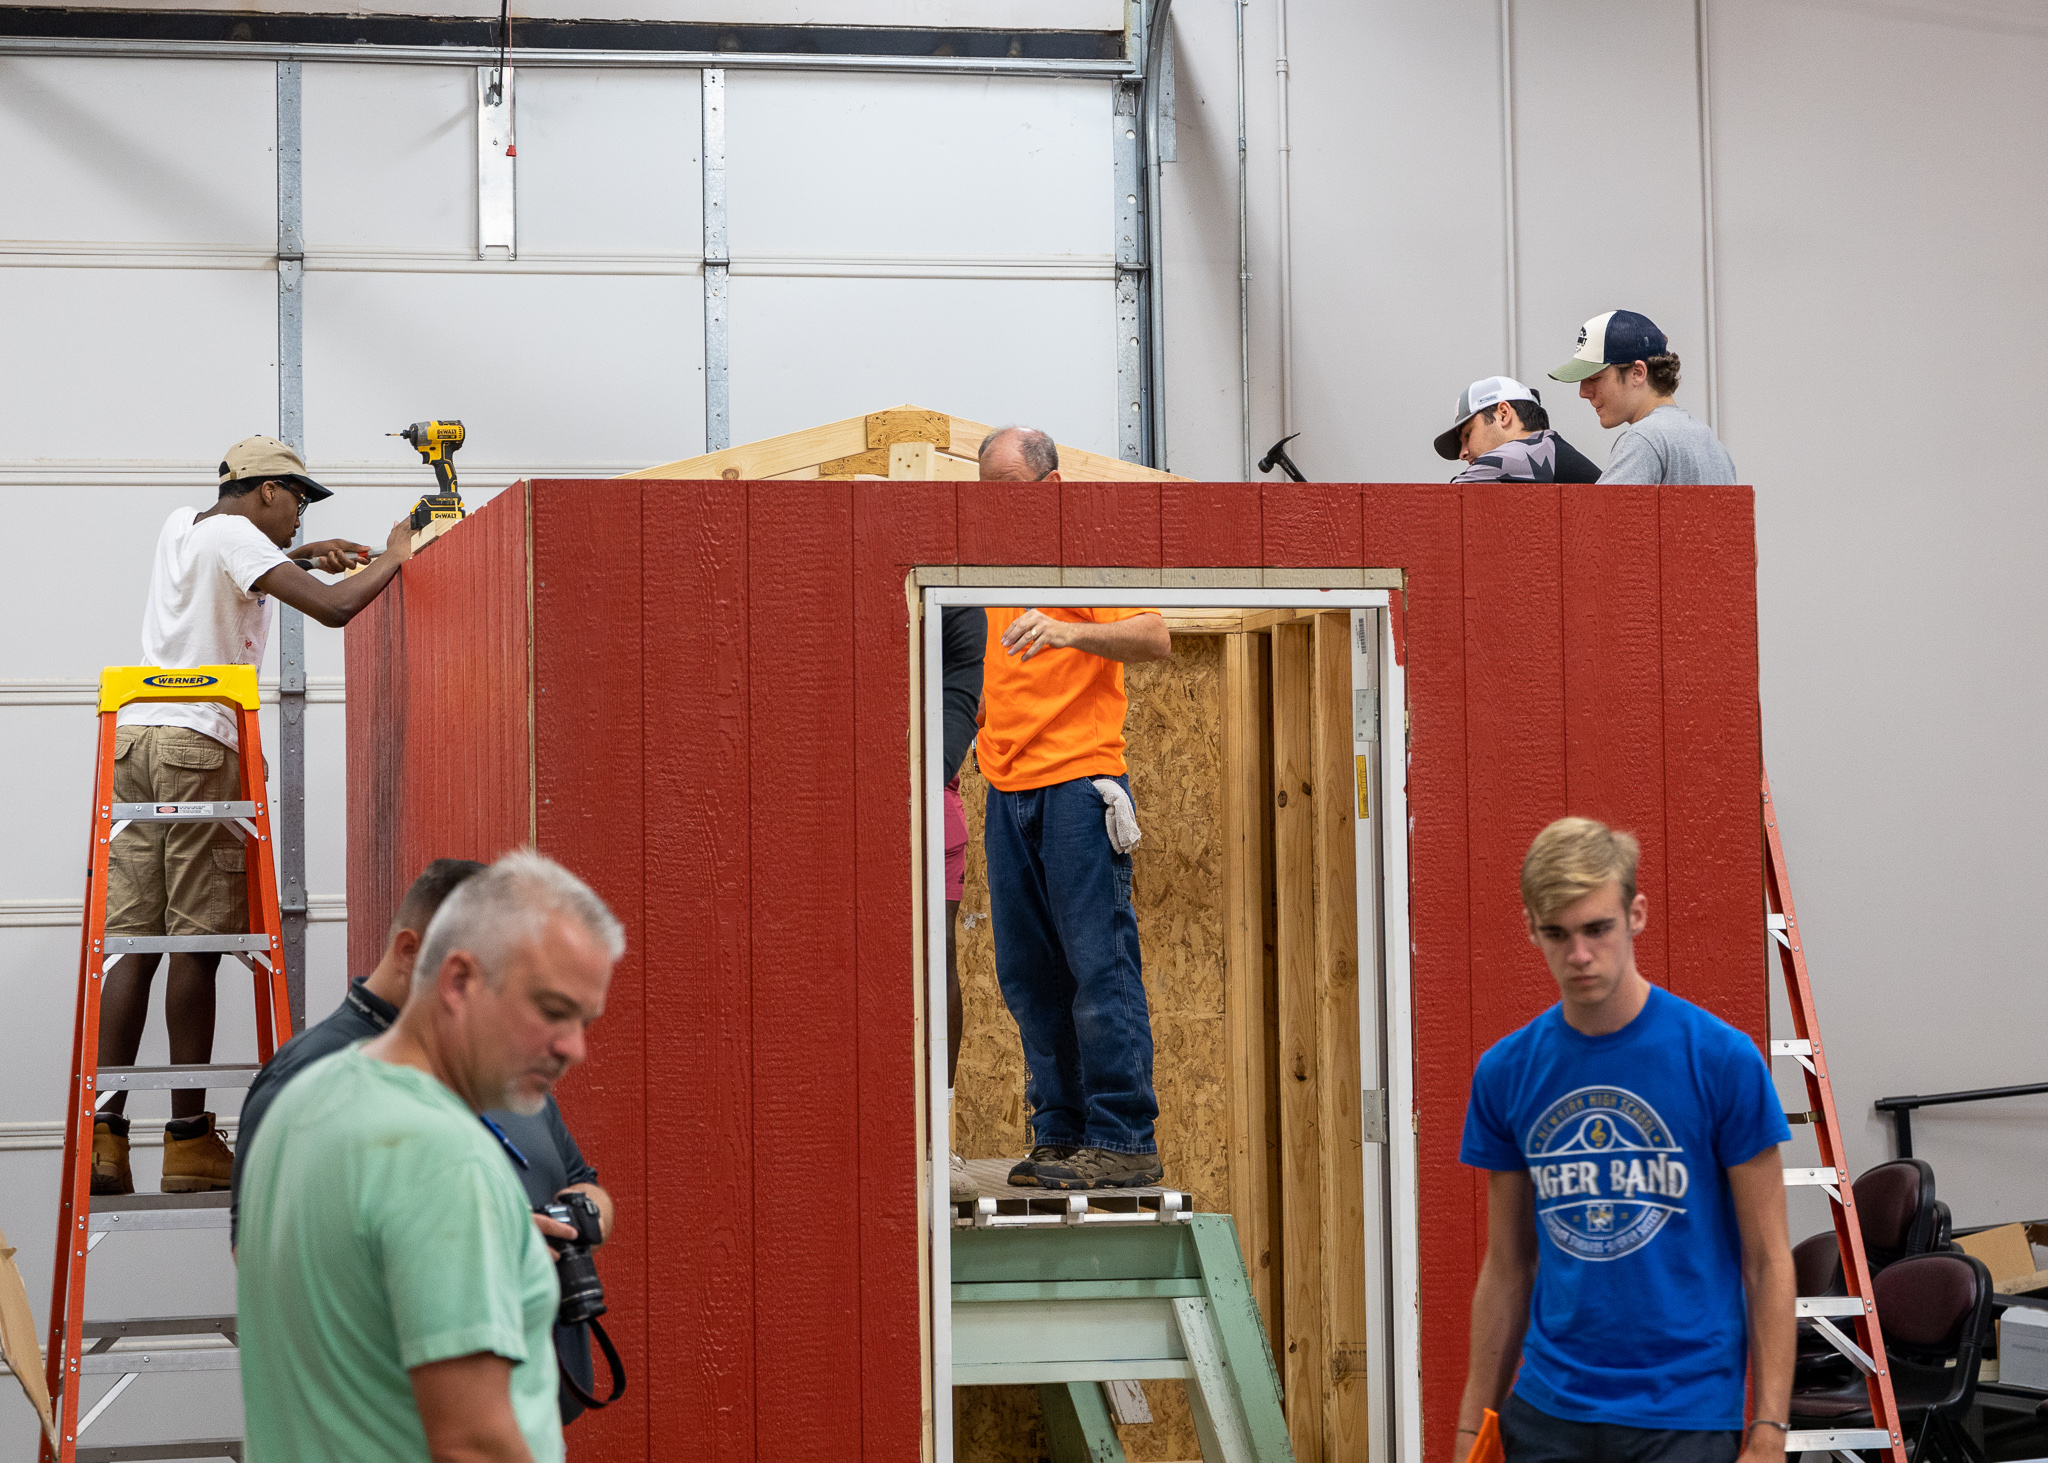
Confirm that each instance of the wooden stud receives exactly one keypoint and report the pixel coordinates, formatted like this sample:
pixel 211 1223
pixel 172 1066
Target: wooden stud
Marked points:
pixel 1341 1155
pixel 861 445
pixel 1076 466
pixel 922 462
pixel 1204 622
pixel 1300 1351
pixel 1247 853
pixel 770 458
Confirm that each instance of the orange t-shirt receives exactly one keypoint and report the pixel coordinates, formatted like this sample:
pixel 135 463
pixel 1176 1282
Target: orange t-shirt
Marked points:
pixel 1054 717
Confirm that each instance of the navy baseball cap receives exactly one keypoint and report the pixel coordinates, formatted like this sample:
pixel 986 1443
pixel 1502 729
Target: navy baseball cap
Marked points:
pixel 1613 339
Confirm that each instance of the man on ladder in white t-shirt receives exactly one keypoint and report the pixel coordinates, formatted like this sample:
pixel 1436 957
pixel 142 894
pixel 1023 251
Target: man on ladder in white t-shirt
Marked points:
pixel 210 590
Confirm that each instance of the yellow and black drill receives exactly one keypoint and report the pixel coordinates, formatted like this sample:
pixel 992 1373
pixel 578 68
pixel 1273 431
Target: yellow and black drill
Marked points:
pixel 436 443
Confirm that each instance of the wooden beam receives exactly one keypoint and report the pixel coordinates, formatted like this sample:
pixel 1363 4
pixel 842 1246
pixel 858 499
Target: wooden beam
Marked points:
pixel 1248 964
pixel 1285 615
pixel 1203 622
pixel 771 458
pixel 884 430
pixel 1339 1134
pixel 922 462
pixel 1076 466
pixel 860 445
pixel 1299 1350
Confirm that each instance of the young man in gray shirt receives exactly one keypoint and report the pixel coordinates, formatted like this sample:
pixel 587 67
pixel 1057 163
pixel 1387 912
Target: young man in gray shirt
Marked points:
pixel 1625 368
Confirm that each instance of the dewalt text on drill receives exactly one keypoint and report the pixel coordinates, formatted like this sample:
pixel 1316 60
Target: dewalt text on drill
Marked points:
pixel 436 443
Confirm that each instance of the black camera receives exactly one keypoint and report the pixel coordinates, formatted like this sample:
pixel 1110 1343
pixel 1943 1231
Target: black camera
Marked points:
pixel 582 1291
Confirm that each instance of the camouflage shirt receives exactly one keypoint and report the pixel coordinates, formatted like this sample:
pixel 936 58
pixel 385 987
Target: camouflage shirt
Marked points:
pixel 1540 457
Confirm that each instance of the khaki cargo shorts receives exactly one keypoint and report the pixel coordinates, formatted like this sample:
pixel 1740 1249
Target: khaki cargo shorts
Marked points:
pixel 175 878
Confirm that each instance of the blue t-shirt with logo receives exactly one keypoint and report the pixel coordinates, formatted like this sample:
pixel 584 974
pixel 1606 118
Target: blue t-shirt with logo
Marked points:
pixel 1638 1315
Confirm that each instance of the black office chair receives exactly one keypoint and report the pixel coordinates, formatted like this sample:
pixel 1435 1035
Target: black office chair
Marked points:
pixel 1900 1216
pixel 1936 1313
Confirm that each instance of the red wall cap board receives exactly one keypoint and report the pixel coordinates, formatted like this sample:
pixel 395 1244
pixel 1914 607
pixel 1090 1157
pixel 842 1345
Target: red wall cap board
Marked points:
pixel 696 694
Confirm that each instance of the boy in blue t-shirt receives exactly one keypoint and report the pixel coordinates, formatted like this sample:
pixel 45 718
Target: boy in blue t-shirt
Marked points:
pixel 1636 1248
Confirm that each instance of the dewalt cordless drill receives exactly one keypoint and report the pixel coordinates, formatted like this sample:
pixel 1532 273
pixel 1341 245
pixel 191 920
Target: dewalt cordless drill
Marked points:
pixel 436 443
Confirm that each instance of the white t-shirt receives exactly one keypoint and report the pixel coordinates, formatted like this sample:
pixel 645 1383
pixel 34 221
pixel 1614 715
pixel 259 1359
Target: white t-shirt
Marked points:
pixel 201 611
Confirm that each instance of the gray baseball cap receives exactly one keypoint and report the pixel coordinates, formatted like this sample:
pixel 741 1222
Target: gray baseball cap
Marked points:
pixel 1481 396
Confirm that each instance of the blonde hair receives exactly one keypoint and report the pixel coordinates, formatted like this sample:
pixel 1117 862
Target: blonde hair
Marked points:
pixel 1573 857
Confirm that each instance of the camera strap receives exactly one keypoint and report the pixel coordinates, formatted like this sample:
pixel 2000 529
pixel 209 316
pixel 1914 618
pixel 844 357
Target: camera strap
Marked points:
pixel 611 1356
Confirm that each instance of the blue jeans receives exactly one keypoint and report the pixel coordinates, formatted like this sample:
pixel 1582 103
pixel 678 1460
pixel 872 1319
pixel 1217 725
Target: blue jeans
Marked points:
pixel 1067 959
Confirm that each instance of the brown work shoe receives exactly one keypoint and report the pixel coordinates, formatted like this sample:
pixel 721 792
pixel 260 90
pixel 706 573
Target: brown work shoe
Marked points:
pixel 1025 1174
pixel 199 1164
pixel 1099 1168
pixel 110 1173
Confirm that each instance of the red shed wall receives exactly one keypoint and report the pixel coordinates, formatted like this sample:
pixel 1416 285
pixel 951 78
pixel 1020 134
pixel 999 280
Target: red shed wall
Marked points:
pixel 721 702
pixel 438 758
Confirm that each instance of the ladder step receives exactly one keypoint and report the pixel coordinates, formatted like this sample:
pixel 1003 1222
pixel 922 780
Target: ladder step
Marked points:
pixel 188 944
pixel 185 1448
pixel 161 1326
pixel 159 1211
pixel 1829 1305
pixel 144 1079
pixel 182 812
pixel 1848 1439
pixel 1811 1177
pixel 167 1359
pixel 1800 1048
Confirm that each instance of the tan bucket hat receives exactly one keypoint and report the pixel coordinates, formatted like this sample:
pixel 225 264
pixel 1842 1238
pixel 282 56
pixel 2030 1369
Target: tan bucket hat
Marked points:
pixel 266 457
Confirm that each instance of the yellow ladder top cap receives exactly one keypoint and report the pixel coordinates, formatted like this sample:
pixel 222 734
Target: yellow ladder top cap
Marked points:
pixel 232 685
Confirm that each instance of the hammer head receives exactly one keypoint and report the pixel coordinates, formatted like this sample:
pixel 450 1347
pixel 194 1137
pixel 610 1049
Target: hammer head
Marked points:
pixel 1277 454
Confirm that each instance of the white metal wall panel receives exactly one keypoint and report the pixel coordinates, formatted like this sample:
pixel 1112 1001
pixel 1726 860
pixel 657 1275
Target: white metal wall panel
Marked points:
pixel 1881 198
pixel 136 363
pixel 1877 207
pixel 1608 216
pixel 104 580
pixel 541 368
pixel 389 160
pixel 1101 15
pixel 103 150
pixel 608 164
pixel 1397 229
pixel 815 350
pixel 125 382
pixel 932 167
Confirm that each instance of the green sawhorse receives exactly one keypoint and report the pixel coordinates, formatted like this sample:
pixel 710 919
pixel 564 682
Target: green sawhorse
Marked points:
pixel 1067 1306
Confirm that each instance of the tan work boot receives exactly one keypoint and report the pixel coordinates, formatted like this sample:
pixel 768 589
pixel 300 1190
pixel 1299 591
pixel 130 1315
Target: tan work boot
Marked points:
pixel 199 1164
pixel 110 1173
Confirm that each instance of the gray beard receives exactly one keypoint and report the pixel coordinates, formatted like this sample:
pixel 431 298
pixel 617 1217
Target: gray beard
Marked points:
pixel 516 1101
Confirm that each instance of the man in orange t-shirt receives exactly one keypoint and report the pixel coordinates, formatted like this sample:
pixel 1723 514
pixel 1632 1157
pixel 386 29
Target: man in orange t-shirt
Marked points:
pixel 1052 749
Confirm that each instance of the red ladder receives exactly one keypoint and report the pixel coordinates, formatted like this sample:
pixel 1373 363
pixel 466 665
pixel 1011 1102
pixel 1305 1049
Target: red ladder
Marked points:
pixel 1867 1350
pixel 82 1220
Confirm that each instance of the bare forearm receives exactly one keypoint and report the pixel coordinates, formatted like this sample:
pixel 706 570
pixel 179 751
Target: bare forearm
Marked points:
pixel 1140 638
pixel 332 605
pixel 350 595
pixel 1500 1318
pixel 1773 1332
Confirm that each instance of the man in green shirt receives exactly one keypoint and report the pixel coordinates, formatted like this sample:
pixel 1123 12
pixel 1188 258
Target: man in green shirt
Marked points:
pixel 395 1300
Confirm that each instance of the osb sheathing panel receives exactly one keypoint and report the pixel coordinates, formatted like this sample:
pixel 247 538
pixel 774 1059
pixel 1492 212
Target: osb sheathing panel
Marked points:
pixel 1174 729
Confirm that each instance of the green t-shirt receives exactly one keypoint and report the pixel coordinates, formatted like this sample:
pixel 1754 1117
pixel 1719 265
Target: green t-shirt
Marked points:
pixel 382 1229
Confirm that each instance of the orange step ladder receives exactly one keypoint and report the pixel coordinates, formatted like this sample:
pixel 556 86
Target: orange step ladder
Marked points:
pixel 1866 1350
pixel 83 1220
